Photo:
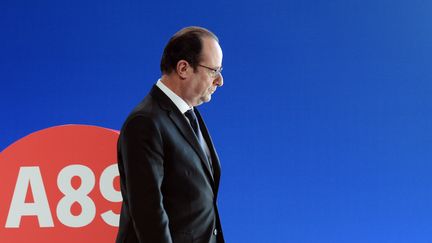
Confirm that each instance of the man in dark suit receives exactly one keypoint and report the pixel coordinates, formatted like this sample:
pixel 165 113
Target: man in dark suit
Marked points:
pixel 169 169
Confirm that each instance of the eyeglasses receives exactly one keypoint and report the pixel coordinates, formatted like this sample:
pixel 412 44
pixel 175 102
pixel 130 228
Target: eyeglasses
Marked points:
pixel 213 72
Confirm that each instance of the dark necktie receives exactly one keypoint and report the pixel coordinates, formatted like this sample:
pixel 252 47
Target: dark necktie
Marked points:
pixel 190 114
pixel 193 120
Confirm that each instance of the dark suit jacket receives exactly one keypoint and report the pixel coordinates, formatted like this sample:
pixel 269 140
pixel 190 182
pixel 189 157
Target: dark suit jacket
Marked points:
pixel 169 192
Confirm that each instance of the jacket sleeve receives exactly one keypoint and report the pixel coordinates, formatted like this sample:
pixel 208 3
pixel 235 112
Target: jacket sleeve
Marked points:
pixel 142 154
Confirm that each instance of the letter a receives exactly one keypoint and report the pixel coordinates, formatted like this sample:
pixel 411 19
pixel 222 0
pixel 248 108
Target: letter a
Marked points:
pixel 29 176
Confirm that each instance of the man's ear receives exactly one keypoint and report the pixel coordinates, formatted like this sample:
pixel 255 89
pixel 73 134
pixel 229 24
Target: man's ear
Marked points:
pixel 183 69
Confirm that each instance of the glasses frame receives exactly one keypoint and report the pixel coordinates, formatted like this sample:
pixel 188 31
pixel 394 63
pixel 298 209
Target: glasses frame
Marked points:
pixel 214 72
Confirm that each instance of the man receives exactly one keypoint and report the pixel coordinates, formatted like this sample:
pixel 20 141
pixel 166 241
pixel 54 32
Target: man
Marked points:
pixel 169 169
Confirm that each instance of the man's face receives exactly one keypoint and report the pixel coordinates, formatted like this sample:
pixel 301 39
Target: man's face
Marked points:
pixel 203 82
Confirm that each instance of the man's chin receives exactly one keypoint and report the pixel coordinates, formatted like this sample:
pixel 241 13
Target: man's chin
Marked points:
pixel 207 98
pixel 203 100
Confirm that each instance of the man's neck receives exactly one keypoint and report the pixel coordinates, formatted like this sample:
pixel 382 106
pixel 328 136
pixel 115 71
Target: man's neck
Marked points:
pixel 179 102
pixel 175 86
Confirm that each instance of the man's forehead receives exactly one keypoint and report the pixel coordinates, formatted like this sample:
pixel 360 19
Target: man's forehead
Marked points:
pixel 211 49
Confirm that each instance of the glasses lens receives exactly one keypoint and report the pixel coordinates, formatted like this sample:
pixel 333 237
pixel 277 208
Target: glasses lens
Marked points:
pixel 213 72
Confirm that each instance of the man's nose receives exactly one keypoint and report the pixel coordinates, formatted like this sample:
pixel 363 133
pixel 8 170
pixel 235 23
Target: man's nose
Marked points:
pixel 219 80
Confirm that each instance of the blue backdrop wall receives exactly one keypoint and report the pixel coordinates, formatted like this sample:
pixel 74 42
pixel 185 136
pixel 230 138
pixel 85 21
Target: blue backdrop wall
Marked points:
pixel 323 124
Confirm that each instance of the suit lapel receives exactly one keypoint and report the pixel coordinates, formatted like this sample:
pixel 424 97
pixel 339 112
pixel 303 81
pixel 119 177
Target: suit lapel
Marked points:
pixel 184 127
pixel 188 133
pixel 214 156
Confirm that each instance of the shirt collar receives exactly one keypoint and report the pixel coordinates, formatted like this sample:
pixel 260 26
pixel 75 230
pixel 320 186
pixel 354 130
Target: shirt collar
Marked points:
pixel 179 102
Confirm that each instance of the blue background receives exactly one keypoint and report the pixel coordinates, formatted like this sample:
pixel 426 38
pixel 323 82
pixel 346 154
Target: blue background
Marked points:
pixel 323 124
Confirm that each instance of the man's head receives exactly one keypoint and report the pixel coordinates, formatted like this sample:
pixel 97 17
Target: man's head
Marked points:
pixel 191 64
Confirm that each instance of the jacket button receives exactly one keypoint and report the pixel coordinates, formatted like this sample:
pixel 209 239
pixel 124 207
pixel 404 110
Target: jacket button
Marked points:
pixel 215 232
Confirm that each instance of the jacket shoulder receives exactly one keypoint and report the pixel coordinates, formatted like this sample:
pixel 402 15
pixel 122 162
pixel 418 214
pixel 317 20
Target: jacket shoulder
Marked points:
pixel 148 108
